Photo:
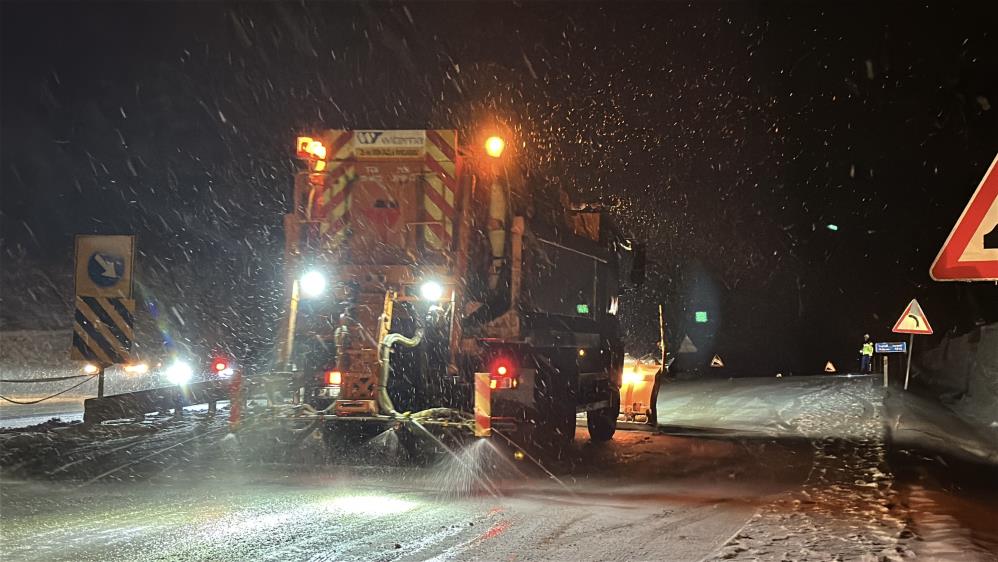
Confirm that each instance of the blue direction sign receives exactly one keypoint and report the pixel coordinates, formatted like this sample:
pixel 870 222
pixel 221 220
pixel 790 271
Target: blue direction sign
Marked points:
pixel 105 269
pixel 104 317
pixel 104 266
pixel 891 347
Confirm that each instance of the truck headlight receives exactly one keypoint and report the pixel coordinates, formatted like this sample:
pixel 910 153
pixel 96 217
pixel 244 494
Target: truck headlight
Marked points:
pixel 179 373
pixel 313 284
pixel 431 291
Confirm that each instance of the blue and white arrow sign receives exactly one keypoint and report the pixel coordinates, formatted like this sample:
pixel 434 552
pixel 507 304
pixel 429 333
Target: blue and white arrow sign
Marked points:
pixel 104 266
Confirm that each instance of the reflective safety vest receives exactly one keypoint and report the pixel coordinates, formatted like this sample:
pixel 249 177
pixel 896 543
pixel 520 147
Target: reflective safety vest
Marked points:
pixel 867 349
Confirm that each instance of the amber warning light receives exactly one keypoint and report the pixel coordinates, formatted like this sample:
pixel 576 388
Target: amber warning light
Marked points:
pixel 494 146
pixel 311 148
pixel 334 378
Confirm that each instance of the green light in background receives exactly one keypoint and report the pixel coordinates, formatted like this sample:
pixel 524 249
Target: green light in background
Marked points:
pixel 582 308
pixel 832 227
pixel 701 316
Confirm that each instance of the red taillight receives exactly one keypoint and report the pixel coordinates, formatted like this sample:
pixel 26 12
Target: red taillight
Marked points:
pixel 334 378
pixel 502 375
pixel 220 365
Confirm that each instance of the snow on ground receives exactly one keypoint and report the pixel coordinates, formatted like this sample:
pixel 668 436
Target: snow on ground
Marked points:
pixel 917 422
pixel 846 508
pixel 27 416
pixel 793 469
pixel 120 492
pixel 962 371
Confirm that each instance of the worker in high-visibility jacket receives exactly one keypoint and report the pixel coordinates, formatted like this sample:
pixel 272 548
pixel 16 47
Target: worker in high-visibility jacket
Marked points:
pixel 866 355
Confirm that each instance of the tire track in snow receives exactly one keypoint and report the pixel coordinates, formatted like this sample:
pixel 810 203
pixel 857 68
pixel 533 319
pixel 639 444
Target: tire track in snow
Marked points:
pixel 845 509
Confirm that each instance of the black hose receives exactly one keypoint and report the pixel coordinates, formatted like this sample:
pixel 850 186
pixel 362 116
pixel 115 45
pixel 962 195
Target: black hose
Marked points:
pixel 49 379
pixel 25 403
pixel 384 401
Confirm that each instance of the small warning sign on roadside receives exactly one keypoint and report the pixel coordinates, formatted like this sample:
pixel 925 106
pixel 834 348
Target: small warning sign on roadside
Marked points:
pixel 716 361
pixel 912 321
pixel 829 368
pixel 686 346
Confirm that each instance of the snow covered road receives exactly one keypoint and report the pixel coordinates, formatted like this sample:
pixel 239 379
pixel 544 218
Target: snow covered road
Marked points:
pixel 624 507
pixel 758 469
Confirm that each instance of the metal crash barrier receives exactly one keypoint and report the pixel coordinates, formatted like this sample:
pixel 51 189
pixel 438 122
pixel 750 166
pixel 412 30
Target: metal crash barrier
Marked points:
pixel 137 404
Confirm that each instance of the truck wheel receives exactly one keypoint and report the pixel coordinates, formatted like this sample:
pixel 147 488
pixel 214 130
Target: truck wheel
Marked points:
pixel 564 426
pixel 553 431
pixel 555 416
pixel 603 422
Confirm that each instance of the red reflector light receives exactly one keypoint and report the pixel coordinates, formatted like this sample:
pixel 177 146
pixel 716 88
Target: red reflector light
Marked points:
pixel 220 365
pixel 502 376
pixel 334 377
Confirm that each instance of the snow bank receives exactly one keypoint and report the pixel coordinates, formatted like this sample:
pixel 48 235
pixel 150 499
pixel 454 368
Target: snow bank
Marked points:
pixel 922 424
pixel 963 372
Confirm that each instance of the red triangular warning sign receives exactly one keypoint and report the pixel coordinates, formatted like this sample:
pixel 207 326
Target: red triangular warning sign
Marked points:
pixel 829 368
pixel 716 361
pixel 912 321
pixel 970 253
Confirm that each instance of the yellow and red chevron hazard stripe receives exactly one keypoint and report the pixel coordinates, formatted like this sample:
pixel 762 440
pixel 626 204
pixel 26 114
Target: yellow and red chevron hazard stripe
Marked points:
pixel 338 145
pixel 441 187
pixel 334 203
pixel 483 405
pixel 329 208
pixel 330 204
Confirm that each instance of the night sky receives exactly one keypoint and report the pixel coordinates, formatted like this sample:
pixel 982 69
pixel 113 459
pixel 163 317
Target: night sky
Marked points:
pixel 726 135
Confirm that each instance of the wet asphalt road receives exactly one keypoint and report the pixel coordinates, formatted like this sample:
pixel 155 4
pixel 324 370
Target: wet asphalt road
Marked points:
pixel 796 474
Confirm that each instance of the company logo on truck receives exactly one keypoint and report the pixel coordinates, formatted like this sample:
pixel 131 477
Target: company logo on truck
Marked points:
pixel 389 144
pixel 368 137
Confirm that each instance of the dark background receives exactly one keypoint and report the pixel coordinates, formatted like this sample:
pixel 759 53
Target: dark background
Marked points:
pixel 729 136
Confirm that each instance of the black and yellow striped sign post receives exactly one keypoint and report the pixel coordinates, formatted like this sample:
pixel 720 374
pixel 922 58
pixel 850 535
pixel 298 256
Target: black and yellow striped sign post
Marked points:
pixel 103 320
pixel 102 329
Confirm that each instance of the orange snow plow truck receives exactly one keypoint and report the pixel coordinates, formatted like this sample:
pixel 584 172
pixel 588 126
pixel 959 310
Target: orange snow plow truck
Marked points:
pixel 437 285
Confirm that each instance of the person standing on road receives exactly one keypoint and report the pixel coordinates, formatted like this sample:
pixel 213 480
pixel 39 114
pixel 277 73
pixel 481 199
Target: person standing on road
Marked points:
pixel 866 355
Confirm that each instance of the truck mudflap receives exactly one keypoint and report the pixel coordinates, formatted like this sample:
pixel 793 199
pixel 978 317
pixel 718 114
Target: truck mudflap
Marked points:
pixel 483 405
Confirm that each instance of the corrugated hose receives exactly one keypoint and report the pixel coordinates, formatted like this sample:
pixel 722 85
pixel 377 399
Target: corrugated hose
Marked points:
pixel 384 357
